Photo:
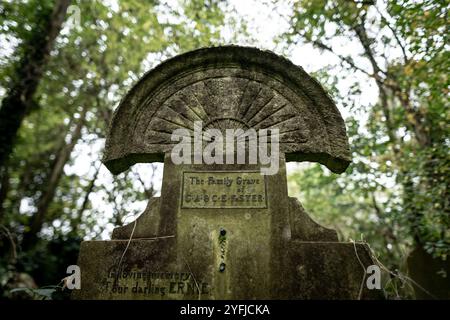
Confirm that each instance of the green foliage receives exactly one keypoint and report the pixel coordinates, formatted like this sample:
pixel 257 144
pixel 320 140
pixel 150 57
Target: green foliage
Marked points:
pixel 396 191
pixel 92 66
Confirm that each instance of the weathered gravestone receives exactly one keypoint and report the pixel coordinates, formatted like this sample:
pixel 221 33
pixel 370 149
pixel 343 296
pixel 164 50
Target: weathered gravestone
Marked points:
pixel 224 231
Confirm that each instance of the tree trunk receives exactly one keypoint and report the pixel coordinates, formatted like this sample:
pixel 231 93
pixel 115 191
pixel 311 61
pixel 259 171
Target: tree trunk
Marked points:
pixel 57 171
pixel 28 73
pixel 4 188
pixel 75 222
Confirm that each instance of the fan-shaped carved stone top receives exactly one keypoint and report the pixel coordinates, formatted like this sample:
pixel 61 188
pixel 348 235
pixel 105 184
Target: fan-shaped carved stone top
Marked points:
pixel 227 88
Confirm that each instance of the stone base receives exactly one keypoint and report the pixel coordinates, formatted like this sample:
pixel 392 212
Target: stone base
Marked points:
pixel 150 269
pixel 329 270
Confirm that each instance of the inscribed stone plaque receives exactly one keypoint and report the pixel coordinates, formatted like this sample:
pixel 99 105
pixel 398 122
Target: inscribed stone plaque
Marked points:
pixel 223 189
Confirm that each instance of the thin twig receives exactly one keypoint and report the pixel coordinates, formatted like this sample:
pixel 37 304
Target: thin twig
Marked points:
pixel 193 277
pixel 364 270
pixel 399 275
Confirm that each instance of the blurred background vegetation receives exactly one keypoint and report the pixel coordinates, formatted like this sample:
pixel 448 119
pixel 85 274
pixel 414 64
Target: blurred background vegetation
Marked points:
pixel 64 66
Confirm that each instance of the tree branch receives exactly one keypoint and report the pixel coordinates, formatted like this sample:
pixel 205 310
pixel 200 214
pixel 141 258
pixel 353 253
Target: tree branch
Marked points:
pixel 348 60
pixel 395 34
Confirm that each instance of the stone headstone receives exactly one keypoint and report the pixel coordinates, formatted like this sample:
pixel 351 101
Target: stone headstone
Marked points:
pixel 224 231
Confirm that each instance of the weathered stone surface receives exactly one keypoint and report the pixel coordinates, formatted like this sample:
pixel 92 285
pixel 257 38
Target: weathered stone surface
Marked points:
pixel 274 251
pixel 149 270
pixel 304 228
pixel 232 232
pixel 246 86
pixel 145 226
pixel 329 270
pixel 100 262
